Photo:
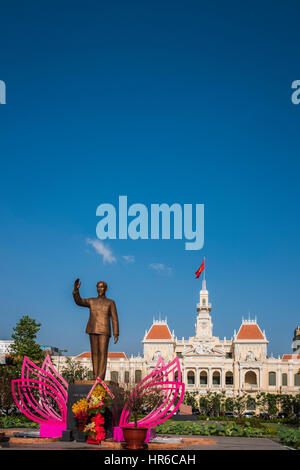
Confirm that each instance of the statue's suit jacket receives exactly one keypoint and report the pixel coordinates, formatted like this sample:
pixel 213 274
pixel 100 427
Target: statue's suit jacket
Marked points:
pixel 102 311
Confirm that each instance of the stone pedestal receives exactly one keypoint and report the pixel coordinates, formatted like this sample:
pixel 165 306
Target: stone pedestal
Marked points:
pixel 80 390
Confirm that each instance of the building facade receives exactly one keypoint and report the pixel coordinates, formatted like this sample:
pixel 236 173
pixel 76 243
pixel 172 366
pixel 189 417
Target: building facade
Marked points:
pixel 239 364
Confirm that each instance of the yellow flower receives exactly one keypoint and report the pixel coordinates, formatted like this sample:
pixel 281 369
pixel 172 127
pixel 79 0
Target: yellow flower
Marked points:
pixel 99 392
pixel 80 406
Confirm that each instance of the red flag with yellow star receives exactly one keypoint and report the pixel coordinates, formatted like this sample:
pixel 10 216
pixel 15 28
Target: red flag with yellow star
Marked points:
pixel 199 271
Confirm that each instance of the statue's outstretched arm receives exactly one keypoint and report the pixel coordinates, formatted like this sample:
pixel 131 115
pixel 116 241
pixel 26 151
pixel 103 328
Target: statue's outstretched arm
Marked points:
pixel 78 300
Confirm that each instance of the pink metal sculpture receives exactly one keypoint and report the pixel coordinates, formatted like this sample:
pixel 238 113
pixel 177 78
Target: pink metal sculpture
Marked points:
pixel 41 394
pixel 163 379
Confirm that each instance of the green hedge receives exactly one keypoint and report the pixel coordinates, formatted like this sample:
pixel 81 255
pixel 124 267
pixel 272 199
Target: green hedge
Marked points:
pixel 17 421
pixel 255 419
pixel 211 429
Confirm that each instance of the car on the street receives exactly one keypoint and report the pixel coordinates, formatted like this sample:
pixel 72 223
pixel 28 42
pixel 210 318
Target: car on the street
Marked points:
pixel 248 414
pixel 229 414
pixel 195 411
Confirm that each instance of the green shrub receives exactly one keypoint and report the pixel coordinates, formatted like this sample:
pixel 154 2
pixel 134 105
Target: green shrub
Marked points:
pixel 289 436
pixel 17 421
pixel 210 429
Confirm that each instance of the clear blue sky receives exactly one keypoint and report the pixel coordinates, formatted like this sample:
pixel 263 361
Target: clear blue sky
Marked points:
pixel 163 101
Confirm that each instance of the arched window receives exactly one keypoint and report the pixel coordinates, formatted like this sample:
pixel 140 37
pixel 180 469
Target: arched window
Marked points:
pixel 191 378
pixel 297 380
pixel 203 378
pixel 126 377
pixel 176 377
pixel 203 302
pixel 216 378
pixel 229 378
pixel 284 380
pixel 114 376
pixel 137 376
pixel 272 378
pixel 250 378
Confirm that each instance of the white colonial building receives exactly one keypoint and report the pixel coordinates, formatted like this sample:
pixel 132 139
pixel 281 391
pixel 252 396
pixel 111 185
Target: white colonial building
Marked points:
pixel 239 364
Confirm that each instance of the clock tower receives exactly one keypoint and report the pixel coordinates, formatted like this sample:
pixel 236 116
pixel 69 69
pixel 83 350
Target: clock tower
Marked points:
pixel 204 324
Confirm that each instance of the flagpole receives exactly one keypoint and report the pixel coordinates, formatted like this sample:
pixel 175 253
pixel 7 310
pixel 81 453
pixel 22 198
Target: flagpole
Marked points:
pixel 204 269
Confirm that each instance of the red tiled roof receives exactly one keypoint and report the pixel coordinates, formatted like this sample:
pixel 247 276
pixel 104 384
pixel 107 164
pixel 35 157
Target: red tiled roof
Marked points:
pixel 117 355
pixel 110 355
pixel 84 355
pixel 291 356
pixel 250 332
pixel 159 332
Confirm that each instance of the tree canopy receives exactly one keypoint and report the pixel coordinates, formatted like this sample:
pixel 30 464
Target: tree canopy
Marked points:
pixel 25 344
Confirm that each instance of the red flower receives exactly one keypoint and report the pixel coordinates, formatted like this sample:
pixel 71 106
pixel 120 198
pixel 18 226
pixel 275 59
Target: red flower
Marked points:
pixel 100 435
pixel 98 419
pixel 91 440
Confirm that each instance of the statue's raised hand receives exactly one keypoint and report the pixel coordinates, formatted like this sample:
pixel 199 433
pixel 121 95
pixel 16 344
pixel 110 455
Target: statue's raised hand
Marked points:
pixel 77 284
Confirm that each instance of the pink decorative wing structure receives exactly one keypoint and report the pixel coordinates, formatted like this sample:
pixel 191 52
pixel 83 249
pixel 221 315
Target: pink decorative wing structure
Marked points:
pixel 41 394
pixel 167 380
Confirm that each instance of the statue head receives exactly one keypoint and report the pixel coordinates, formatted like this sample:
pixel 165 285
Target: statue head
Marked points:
pixel 101 288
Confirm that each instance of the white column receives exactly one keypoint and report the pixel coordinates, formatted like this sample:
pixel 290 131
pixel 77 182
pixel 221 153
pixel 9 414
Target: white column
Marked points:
pixel 107 373
pixel 241 377
pixel 222 377
pixel 260 378
pixel 121 371
pixel 131 373
pixel 290 375
pixel 209 378
pixel 197 380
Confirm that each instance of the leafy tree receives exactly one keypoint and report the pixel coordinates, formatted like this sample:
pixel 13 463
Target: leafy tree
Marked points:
pixel 286 404
pixel 204 404
pixel 229 404
pixel 24 345
pixel 7 403
pixel 190 399
pixel 222 400
pixel 296 403
pixel 24 341
pixel 240 402
pixel 262 402
pixel 272 403
pixel 73 371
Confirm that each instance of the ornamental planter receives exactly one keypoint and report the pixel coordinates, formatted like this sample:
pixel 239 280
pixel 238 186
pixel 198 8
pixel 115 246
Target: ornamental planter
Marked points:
pixel 134 437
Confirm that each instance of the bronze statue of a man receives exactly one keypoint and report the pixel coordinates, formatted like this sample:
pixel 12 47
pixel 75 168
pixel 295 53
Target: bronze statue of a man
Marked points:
pixel 102 311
